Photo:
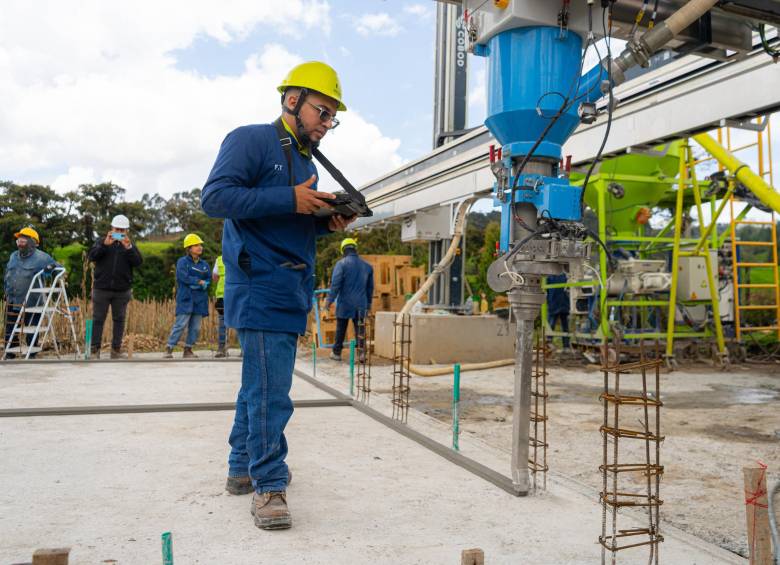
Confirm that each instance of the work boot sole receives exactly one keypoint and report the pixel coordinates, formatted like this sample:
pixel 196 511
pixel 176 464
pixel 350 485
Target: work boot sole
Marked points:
pixel 273 523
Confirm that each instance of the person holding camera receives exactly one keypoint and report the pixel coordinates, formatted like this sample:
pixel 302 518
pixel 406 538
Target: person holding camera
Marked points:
pixel 115 257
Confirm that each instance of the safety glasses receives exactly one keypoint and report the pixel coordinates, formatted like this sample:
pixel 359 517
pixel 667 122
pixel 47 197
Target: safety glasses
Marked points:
pixel 325 116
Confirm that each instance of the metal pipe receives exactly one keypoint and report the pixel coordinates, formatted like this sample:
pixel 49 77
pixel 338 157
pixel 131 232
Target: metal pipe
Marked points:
pixel 639 52
pixel 460 227
pixel 352 367
pixel 526 301
pixel 522 403
pixel 755 183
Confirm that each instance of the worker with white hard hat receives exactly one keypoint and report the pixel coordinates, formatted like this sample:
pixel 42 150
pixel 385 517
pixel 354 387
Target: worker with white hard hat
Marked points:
pixel 193 276
pixel 264 184
pixel 114 257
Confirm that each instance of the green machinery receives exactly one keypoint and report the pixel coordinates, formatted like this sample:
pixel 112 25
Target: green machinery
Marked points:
pixel 658 283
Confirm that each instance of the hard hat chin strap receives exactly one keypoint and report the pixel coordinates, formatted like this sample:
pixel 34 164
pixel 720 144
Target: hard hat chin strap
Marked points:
pixel 302 134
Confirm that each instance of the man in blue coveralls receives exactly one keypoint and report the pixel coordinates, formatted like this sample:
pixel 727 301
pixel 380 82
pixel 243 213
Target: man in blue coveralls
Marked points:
pixel 351 288
pixel 558 306
pixel 264 184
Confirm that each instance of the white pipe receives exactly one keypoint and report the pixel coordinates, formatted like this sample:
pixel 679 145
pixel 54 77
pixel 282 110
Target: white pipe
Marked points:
pixel 460 223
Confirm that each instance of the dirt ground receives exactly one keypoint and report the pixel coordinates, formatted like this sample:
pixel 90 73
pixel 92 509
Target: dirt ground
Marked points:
pixel 713 421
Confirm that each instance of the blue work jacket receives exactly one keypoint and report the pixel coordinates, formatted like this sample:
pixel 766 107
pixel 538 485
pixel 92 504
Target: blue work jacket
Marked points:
pixel 557 298
pixel 351 286
pixel 19 274
pixel 268 249
pixel 191 296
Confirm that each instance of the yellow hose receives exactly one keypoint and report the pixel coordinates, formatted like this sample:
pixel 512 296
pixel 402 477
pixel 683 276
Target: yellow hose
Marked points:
pixel 758 186
pixel 447 370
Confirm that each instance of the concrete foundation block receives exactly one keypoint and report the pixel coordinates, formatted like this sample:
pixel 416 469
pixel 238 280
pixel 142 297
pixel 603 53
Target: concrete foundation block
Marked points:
pixel 447 338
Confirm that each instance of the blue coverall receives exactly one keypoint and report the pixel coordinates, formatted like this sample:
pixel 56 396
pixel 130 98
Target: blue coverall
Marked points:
pixel 268 250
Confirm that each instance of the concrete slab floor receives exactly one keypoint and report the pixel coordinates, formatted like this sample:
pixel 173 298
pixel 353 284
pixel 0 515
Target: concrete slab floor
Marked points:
pixel 98 383
pixel 714 423
pixel 109 485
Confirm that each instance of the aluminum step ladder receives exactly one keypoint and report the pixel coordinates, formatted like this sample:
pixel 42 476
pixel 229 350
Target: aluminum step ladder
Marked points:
pixel 46 299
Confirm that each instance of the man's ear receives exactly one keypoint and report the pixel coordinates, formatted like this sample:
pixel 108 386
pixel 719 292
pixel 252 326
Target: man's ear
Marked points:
pixel 290 101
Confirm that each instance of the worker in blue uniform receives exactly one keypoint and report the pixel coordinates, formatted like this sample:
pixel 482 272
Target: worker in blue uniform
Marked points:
pixel 24 264
pixel 351 288
pixel 558 306
pixel 264 184
pixel 193 276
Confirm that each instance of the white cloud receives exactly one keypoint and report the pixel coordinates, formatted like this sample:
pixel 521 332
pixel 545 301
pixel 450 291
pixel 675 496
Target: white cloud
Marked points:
pixel 419 10
pixel 344 51
pixel 92 94
pixel 478 90
pixel 377 24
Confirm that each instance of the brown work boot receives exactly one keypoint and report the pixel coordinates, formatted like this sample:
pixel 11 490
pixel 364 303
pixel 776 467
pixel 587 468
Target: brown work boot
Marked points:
pixel 239 485
pixel 117 354
pixel 270 511
pixel 188 353
pixel 168 353
pixel 243 485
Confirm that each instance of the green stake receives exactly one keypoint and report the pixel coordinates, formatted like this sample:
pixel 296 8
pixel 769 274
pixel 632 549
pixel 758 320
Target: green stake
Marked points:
pixel 352 367
pixel 167 549
pixel 455 409
pixel 88 339
pixel 314 358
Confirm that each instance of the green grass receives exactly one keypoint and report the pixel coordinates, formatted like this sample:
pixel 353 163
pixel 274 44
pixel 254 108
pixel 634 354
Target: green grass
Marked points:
pixel 154 247
pixel 148 248
pixel 760 275
pixel 61 253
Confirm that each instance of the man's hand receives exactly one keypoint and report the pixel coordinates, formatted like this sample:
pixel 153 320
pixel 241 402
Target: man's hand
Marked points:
pixel 338 222
pixel 308 201
pixel 109 239
pixel 126 242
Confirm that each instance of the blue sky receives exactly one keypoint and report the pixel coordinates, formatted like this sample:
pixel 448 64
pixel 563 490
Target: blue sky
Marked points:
pixel 385 65
pixel 142 94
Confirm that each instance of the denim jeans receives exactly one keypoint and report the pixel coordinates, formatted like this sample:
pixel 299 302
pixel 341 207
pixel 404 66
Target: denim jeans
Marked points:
pixel 189 321
pixel 341 333
pixel 564 318
pixel 263 408
pixel 12 314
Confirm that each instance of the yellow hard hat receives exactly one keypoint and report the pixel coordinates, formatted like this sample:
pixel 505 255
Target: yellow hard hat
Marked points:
pixel 192 239
pixel 315 75
pixel 29 232
pixel 346 242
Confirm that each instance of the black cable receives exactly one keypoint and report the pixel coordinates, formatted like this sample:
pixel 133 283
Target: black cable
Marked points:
pixel 610 105
pixel 595 237
pixel 519 244
pixel 771 51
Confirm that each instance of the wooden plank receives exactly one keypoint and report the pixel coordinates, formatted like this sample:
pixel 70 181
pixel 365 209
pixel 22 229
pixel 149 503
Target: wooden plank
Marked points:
pixel 56 556
pixel 472 557
pixel 757 514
